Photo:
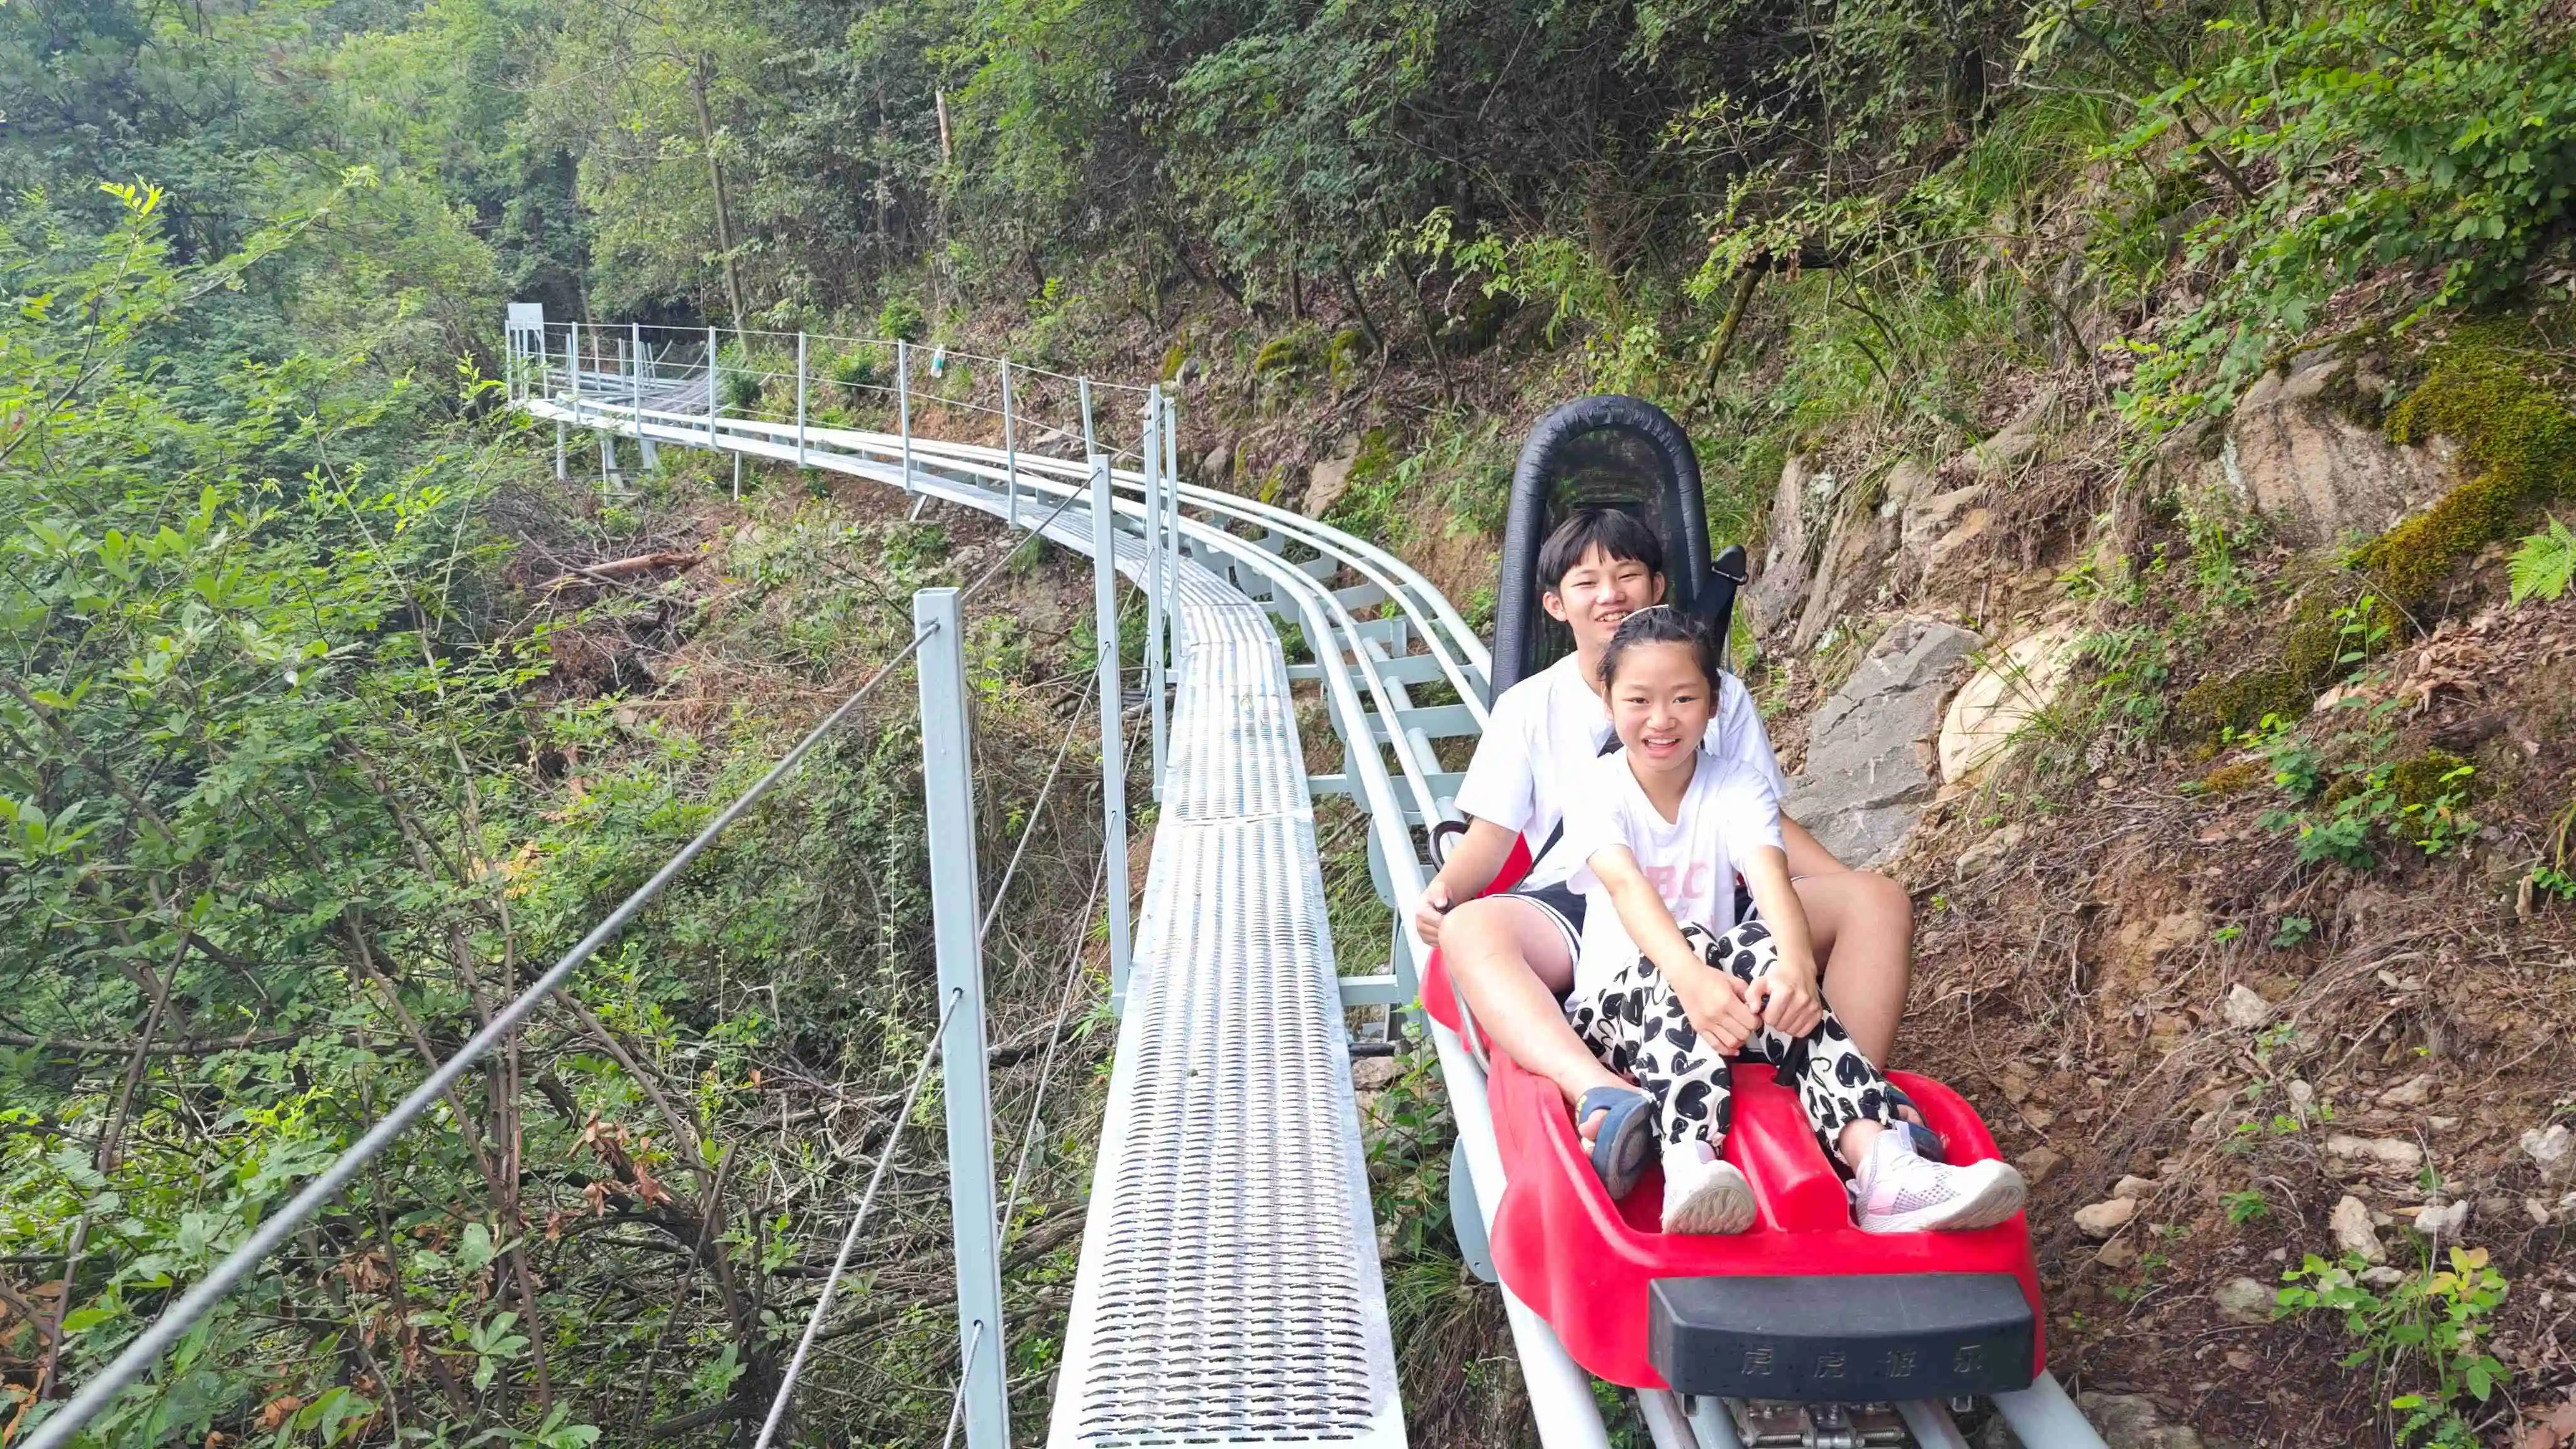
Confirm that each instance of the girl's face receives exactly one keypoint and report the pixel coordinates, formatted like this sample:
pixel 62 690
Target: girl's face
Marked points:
pixel 1660 703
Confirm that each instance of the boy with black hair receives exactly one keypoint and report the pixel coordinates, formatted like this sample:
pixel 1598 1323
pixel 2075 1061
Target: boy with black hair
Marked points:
pixel 1512 953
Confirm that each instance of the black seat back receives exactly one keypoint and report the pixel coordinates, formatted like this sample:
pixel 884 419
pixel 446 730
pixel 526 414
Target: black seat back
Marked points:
pixel 1604 452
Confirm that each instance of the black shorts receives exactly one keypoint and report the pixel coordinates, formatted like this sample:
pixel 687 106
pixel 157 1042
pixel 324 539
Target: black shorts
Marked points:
pixel 1564 905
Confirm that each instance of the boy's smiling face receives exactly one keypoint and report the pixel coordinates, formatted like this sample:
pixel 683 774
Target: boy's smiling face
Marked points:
pixel 1597 593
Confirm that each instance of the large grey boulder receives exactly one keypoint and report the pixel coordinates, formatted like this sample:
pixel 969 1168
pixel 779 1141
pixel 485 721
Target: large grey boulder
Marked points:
pixel 2298 456
pixel 1869 746
pixel 1849 570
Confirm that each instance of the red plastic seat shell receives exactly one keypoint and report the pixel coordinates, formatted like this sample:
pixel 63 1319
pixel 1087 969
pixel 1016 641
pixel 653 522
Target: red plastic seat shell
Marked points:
pixel 1584 1262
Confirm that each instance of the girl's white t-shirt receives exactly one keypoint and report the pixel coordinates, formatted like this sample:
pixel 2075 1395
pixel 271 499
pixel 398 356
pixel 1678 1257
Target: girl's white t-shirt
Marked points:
pixel 1550 726
pixel 1691 860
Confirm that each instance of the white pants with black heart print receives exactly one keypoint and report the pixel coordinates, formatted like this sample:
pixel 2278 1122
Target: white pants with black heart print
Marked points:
pixel 1635 1023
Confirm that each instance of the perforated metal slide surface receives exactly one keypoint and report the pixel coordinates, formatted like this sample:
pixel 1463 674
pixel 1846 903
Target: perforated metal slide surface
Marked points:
pixel 1229 1289
pixel 1229 1286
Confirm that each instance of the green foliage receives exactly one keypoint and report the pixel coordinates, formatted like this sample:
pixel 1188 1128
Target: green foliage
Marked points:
pixel 2386 135
pixel 1459 479
pixel 901 319
pixel 739 374
pixel 2429 1330
pixel 2345 791
pixel 2545 564
pixel 245 669
pixel 855 374
pixel 2323 642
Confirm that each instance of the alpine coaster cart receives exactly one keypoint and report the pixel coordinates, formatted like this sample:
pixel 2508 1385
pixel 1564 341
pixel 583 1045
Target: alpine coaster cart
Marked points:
pixel 1802 1330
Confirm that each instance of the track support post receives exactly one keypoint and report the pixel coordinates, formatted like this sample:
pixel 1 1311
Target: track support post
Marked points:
pixel 1010 454
pixel 715 390
pixel 800 398
pixel 1156 485
pixel 1113 748
pixel 903 404
pixel 948 791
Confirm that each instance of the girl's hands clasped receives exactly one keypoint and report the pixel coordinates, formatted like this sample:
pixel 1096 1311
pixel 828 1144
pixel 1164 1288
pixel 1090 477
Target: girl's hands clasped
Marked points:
pixel 1787 999
pixel 1716 1006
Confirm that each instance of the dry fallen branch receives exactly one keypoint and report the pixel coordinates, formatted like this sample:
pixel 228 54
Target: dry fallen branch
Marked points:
pixel 621 568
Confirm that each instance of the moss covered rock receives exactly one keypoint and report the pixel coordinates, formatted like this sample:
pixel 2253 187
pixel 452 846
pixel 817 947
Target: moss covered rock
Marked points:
pixel 2497 396
pixel 2427 778
pixel 2232 779
pixel 2326 634
pixel 2309 463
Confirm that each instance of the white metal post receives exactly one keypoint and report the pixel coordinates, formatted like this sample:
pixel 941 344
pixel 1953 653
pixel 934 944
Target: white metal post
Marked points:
pixel 1090 444
pixel 1163 646
pixel 1172 498
pixel 1010 452
pixel 903 404
pixel 1113 749
pixel 635 378
pixel 948 791
pixel 559 452
pixel 800 399
pixel 1150 668
pixel 712 381
pixel 572 360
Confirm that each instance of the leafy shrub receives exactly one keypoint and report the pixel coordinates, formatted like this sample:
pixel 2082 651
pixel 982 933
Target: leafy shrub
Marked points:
pixel 855 374
pixel 901 319
pixel 2431 1327
pixel 2392 134
pixel 2344 794
pixel 740 381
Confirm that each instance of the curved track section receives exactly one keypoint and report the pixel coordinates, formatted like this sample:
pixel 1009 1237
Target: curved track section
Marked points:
pixel 1229 1285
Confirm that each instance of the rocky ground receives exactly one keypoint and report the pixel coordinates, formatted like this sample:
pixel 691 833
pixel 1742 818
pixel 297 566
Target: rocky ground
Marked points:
pixel 2228 1071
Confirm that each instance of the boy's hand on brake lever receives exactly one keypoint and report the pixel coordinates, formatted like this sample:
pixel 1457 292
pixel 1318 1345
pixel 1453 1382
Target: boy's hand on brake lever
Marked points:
pixel 1428 915
pixel 1715 1004
pixel 1787 998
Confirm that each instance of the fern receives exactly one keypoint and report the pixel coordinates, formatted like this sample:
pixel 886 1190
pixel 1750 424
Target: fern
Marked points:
pixel 2545 564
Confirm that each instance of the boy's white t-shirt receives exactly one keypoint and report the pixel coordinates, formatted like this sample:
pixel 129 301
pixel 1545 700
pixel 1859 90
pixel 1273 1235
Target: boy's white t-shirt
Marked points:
pixel 1550 725
pixel 1691 860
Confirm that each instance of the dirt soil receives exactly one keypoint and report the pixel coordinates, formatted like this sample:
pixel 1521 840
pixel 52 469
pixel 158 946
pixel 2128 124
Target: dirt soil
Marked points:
pixel 2078 991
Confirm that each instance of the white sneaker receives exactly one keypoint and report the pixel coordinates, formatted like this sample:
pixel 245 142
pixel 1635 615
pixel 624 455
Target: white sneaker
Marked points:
pixel 1902 1193
pixel 1704 1193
